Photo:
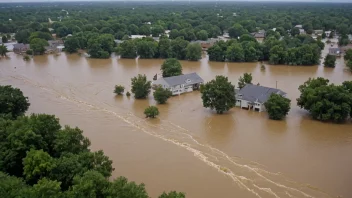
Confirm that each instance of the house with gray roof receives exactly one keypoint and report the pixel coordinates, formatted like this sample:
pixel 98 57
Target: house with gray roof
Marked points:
pixel 180 84
pixel 254 96
pixel 335 51
pixel 20 48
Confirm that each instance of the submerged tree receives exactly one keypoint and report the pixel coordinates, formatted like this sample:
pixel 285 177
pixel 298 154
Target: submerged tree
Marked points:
pixel 140 86
pixel 161 95
pixel 329 61
pixel 218 94
pixel 12 102
pixel 277 106
pixel 151 112
pixel 246 79
pixel 119 89
pixel 171 67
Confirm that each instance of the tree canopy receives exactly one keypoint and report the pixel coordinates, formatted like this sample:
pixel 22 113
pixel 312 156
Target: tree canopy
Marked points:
pixel 218 94
pixel 245 79
pixel 39 158
pixel 12 102
pixel 324 101
pixel 277 106
pixel 171 67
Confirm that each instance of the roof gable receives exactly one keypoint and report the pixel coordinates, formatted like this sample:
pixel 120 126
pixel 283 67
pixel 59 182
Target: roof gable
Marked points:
pixel 191 78
pixel 255 93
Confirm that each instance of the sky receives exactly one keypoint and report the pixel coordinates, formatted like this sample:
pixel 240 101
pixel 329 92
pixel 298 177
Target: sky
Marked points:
pixel 329 1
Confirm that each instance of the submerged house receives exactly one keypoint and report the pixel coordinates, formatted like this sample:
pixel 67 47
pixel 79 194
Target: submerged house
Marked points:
pixel 20 48
pixel 254 96
pixel 180 84
pixel 335 51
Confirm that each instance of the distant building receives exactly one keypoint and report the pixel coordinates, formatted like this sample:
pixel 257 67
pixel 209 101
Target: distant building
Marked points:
pixel 137 36
pixel 350 38
pixel 206 44
pixel 301 31
pixel 318 32
pixel 259 36
pixel 20 48
pixel 53 46
pixel 327 33
pixel 254 96
pixel 299 26
pixel 180 84
pixel 335 51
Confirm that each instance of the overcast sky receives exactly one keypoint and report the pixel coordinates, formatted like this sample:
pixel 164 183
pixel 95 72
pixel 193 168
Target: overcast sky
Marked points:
pixel 329 1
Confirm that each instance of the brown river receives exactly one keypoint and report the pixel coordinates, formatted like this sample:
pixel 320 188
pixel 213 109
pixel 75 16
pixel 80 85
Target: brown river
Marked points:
pixel 189 148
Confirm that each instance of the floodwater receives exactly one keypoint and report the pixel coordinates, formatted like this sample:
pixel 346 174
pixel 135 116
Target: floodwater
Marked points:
pixel 189 148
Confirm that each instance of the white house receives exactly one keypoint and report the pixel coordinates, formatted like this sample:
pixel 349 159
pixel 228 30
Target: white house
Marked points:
pixel 299 26
pixel 254 96
pixel 180 84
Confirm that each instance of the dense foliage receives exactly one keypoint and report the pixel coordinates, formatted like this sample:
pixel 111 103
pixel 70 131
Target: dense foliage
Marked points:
pixel 3 50
pixel 12 102
pixel 277 106
pixel 40 158
pixel 186 23
pixel 171 67
pixel 329 60
pixel 245 79
pixel 119 89
pixel 348 59
pixel 218 94
pixel 151 112
pixel 140 86
pixel 326 102
pixel 161 95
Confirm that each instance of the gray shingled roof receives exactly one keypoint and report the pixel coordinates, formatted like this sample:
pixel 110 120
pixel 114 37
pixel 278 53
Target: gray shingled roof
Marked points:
pixel 334 50
pixel 191 78
pixel 257 93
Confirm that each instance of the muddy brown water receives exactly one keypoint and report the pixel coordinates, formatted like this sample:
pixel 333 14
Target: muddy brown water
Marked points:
pixel 189 148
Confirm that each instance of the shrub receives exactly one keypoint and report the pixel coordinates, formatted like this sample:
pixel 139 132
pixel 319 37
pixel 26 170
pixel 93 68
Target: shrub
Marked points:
pixel 119 89
pixel 151 112
pixel 161 95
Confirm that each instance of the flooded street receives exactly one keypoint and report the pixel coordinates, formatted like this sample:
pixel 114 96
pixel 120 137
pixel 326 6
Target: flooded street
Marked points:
pixel 189 148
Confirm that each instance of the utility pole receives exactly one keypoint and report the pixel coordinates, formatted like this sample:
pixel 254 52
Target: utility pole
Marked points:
pixel 276 84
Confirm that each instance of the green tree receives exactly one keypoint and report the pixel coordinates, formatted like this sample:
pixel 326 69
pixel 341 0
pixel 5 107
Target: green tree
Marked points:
pixel 12 102
pixel 179 48
pixel 4 39
pixel 42 35
pixel 218 94
pixel 157 30
pixel 145 30
pixel 329 61
pixel 62 31
pixel 237 30
pixel 172 194
pixel 216 53
pixel 11 186
pixel 235 53
pixel 348 55
pixel 22 36
pixel 72 44
pixel 3 50
pixel 349 65
pixel 38 45
pixel 70 140
pixel 161 95
pixel 151 112
pixel 202 35
pixel 277 106
pixel 140 86
pixel 278 55
pixel 91 185
pixel 325 102
pixel 37 164
pixel 121 188
pixel 133 29
pixel 295 31
pixel 164 47
pixel 171 67
pixel 323 36
pixel 119 89
pixel 246 79
pixel 194 52
pixel 128 49
pixel 47 188
pixel 147 49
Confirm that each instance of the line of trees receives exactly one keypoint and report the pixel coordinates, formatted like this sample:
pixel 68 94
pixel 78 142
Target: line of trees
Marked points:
pixel 298 50
pixel 348 59
pixel 40 158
